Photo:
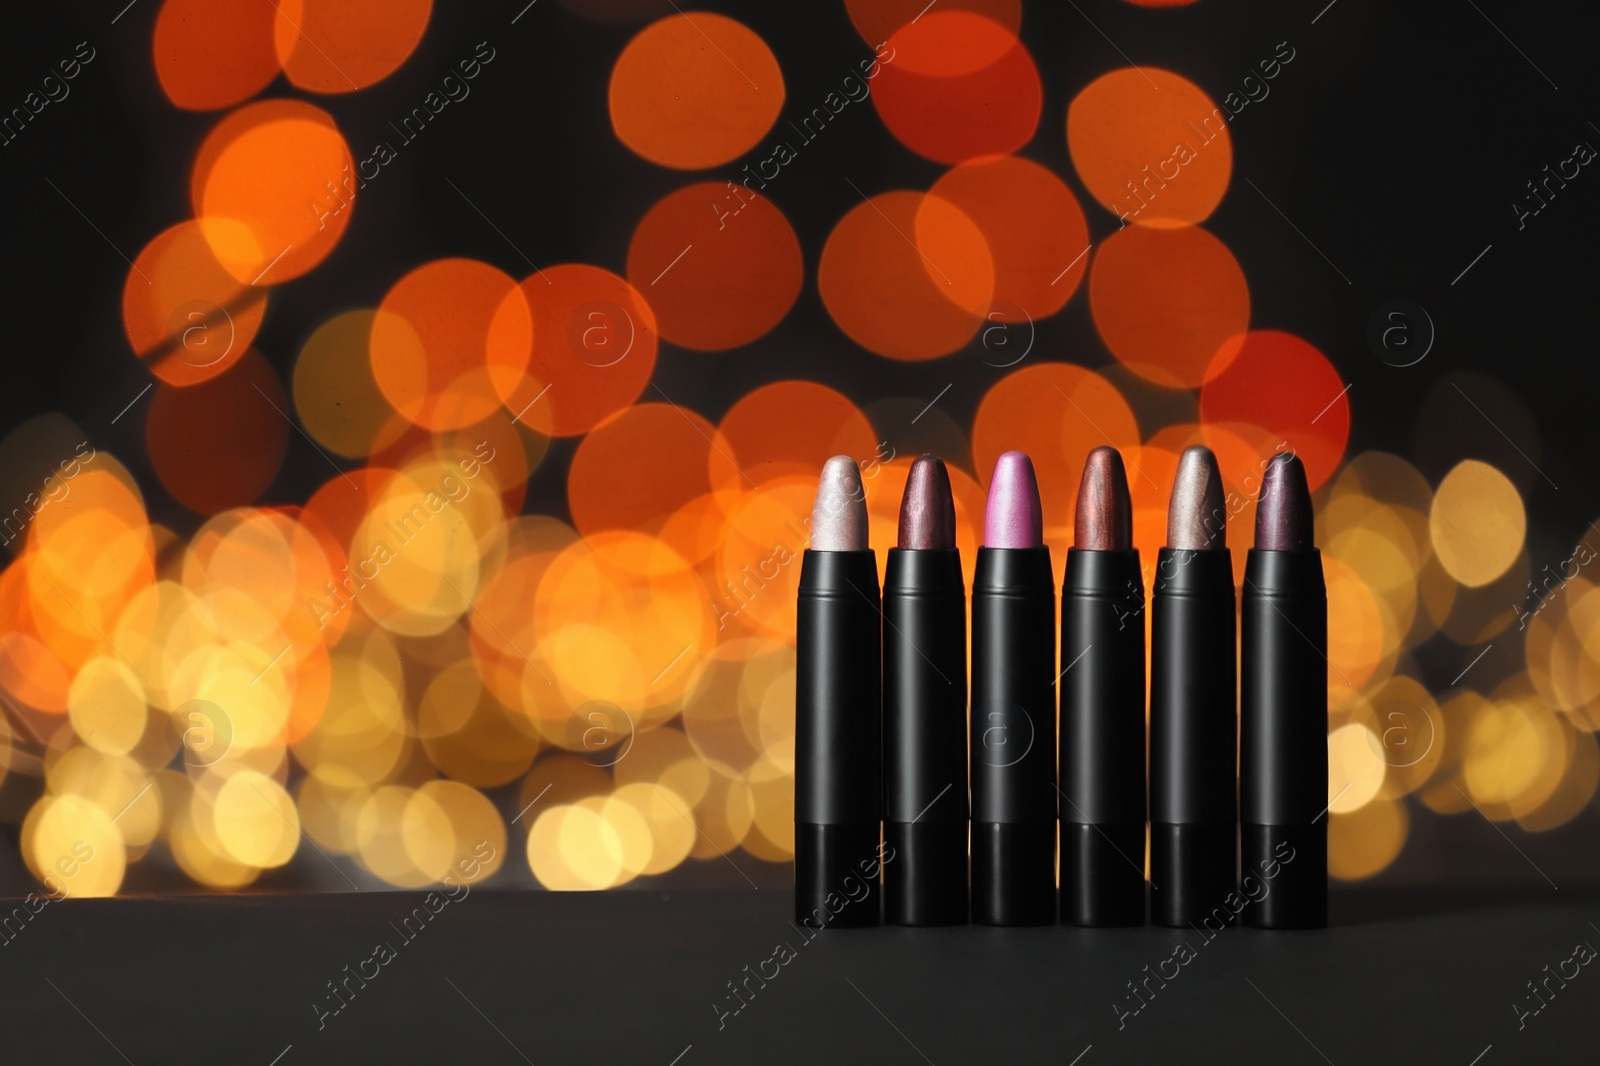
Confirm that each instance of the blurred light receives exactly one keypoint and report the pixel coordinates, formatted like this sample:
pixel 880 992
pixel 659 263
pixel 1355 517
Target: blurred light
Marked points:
pixel 1282 385
pixel 1361 844
pixel 219 444
pixel 211 54
pixel 187 317
pixel 676 105
pixel 450 342
pixel 1477 523
pixel 1151 146
pixel 1033 226
pixel 594 349
pixel 1165 301
pixel 906 275
pixel 340 46
pixel 721 263
pixel 272 188
pixel 957 86
pixel 877 20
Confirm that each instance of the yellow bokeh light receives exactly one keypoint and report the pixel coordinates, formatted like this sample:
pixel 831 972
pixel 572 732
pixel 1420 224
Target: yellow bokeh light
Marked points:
pixel 1355 771
pixel 1361 844
pixel 1477 523
pixel 255 820
pixel 71 845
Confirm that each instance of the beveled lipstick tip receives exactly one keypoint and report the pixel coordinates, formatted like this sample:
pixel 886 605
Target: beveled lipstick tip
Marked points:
pixel 839 519
pixel 1013 517
pixel 1285 520
pixel 928 509
pixel 1197 517
pixel 1104 520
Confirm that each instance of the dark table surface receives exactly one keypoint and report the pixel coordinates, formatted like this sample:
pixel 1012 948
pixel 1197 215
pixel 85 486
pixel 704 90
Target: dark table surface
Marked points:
pixel 1404 976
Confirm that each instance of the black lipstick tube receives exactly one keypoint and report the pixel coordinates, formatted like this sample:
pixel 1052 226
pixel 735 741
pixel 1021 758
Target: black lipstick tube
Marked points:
pixel 1013 739
pixel 1193 731
pixel 1283 737
pixel 1102 739
pixel 838 784
pixel 925 738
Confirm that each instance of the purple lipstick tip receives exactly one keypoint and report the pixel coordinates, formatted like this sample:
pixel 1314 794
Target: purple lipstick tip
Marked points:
pixel 928 510
pixel 1013 518
pixel 1284 518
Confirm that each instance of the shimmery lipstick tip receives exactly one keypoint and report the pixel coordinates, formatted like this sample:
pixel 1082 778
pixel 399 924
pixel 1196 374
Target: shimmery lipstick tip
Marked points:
pixel 928 510
pixel 839 519
pixel 1105 510
pixel 1013 517
pixel 1197 519
pixel 1284 518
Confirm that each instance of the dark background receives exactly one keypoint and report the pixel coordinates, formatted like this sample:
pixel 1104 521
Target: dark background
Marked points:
pixel 1397 141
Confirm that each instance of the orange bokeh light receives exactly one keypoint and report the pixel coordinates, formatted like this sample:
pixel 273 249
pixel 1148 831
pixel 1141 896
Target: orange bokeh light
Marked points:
pixel 186 316
pixel 211 54
pixel 721 268
pixel 1034 228
pixel 907 276
pixel 1151 146
pixel 1281 384
pixel 639 466
pixel 450 342
pixel 877 20
pixel 218 444
pixel 594 349
pixel 789 428
pixel 1164 300
pixel 694 91
pixel 267 186
pixel 974 105
pixel 339 46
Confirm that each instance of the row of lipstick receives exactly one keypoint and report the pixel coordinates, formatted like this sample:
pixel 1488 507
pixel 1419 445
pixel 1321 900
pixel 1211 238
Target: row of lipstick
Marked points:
pixel 882 706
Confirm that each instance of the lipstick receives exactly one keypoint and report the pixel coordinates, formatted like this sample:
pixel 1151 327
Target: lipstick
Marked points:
pixel 1192 692
pixel 1283 728
pixel 925 708
pixel 838 791
pixel 1013 733
pixel 1102 706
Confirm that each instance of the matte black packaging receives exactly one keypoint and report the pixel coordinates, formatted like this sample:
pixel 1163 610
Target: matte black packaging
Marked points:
pixel 1013 738
pixel 838 783
pixel 1102 739
pixel 1283 738
pixel 925 738
pixel 1193 731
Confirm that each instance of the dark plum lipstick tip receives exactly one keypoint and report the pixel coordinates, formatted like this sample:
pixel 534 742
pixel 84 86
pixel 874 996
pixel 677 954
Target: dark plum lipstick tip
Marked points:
pixel 1105 510
pixel 928 510
pixel 1013 517
pixel 1284 518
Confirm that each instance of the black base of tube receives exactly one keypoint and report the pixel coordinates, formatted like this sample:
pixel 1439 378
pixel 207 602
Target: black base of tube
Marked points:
pixel 1014 873
pixel 926 884
pixel 1291 862
pixel 1102 874
pixel 1192 870
pixel 831 886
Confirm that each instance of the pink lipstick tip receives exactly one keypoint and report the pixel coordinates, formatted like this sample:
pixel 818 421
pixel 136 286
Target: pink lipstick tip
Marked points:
pixel 1013 517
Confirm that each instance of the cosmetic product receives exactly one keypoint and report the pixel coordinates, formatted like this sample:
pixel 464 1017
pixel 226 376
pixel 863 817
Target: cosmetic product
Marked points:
pixel 1283 728
pixel 925 708
pixel 838 791
pixel 1102 706
pixel 1192 692
pixel 1013 732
